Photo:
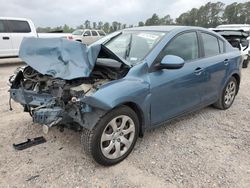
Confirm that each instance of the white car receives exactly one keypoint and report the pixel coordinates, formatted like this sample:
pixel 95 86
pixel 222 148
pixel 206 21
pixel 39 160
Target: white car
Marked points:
pixel 12 32
pixel 87 36
pixel 238 36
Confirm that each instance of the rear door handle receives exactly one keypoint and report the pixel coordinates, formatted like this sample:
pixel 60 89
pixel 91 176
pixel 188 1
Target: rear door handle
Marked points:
pixel 198 71
pixel 6 38
pixel 226 62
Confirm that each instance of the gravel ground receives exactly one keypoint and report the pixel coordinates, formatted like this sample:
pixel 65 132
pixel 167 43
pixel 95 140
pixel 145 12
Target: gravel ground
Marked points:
pixel 209 148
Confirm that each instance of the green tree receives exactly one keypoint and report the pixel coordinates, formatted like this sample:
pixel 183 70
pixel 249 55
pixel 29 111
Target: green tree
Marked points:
pixel 124 26
pixel 67 29
pixel 141 23
pixel 208 15
pixel 154 20
pixel 44 29
pixel 247 12
pixel 166 20
pixel 80 27
pixel 87 24
pixel 106 27
pixel 119 26
pixel 193 14
pixel 94 25
pixel 100 25
pixel 215 15
pixel 115 26
pixel 237 13
pixel 183 19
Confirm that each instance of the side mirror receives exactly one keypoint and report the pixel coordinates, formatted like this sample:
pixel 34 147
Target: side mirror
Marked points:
pixel 85 34
pixel 170 62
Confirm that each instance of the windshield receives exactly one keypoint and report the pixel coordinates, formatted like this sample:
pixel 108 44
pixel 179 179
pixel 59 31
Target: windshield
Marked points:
pixel 77 32
pixel 133 46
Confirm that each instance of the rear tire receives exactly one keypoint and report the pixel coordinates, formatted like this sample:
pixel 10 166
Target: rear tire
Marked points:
pixel 245 63
pixel 228 95
pixel 113 137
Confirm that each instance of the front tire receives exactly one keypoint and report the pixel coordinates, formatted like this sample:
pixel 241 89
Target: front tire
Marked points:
pixel 113 137
pixel 228 95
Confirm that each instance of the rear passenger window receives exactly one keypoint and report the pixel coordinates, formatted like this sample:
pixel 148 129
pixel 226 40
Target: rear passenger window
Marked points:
pixel 221 44
pixel 184 46
pixel 17 26
pixel 211 46
pixel 101 33
pixel 2 27
pixel 94 33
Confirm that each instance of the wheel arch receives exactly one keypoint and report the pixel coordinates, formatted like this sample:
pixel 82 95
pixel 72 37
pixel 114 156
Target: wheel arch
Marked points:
pixel 139 114
pixel 237 77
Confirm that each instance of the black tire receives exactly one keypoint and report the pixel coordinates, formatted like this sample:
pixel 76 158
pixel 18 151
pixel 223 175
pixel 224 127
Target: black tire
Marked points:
pixel 91 139
pixel 245 63
pixel 221 104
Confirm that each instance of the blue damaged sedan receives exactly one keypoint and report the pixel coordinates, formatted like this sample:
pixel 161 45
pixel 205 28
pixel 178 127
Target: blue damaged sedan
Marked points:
pixel 125 83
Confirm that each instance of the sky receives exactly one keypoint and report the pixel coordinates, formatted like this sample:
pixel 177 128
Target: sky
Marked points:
pixel 73 13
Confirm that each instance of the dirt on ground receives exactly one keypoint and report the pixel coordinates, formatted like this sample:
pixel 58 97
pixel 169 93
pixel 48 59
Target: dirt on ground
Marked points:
pixel 209 148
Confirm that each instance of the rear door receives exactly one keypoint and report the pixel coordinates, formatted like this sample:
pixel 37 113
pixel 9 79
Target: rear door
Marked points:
pixel 215 64
pixel 19 29
pixel 5 40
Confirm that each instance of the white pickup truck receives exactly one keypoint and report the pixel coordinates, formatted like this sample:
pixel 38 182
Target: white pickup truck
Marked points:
pixel 12 32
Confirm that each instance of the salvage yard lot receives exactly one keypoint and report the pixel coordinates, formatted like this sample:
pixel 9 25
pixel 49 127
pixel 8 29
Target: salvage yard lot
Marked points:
pixel 209 148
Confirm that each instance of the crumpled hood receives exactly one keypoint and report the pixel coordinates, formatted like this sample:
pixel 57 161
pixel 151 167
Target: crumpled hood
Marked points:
pixel 59 57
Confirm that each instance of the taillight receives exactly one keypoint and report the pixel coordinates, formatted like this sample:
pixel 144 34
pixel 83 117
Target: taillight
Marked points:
pixel 70 38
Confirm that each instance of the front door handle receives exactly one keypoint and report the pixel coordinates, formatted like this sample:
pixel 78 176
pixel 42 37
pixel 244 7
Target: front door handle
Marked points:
pixel 6 38
pixel 226 62
pixel 198 71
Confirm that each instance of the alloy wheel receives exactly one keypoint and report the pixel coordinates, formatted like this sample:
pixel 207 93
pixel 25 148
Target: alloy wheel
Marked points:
pixel 117 137
pixel 230 93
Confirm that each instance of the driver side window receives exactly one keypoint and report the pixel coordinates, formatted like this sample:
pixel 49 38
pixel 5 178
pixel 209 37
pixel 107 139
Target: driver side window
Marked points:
pixel 184 46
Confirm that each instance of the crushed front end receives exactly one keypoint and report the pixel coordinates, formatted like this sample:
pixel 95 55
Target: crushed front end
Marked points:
pixel 59 77
pixel 52 101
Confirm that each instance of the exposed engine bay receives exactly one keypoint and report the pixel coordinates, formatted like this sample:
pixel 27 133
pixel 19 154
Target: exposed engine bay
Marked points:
pixel 51 100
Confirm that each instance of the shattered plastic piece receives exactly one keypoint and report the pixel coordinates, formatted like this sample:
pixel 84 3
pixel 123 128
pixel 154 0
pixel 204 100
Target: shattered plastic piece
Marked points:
pixel 32 177
pixel 29 143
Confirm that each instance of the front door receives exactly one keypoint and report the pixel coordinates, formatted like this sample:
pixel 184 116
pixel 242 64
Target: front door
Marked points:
pixel 176 91
pixel 6 48
pixel 19 29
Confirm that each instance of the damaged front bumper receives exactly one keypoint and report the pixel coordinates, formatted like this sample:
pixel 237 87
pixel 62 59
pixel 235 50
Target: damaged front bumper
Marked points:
pixel 31 98
pixel 48 110
pixel 40 105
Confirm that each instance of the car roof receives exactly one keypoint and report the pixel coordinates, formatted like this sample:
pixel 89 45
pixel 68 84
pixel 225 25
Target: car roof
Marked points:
pixel 163 28
pixel 14 18
pixel 233 25
pixel 243 27
pixel 88 30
